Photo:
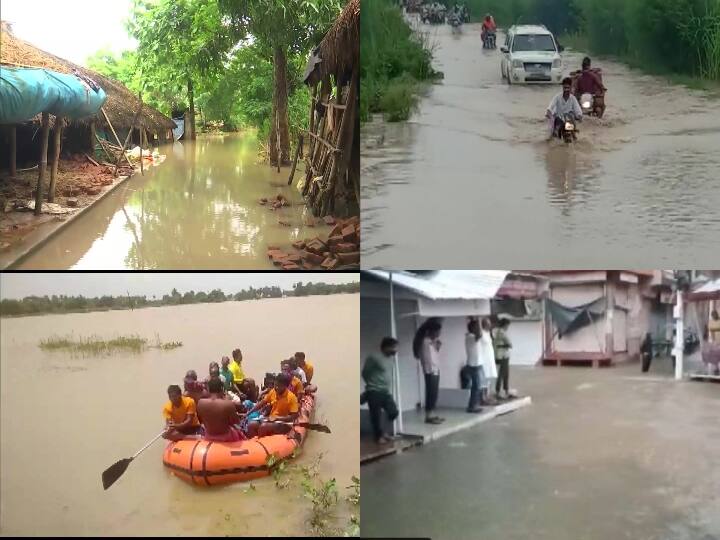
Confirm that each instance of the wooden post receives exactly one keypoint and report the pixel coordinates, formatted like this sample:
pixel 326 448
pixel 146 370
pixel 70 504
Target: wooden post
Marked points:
pixel 92 136
pixel 57 141
pixel 42 162
pixel 142 167
pixel 110 124
pixel 13 150
pixel 295 159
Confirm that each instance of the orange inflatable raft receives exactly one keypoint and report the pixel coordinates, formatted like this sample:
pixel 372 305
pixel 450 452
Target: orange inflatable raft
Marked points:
pixel 207 463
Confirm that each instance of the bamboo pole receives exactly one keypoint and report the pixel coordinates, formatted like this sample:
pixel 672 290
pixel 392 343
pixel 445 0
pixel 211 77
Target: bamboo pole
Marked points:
pixel 110 124
pixel 13 150
pixel 295 159
pixel 107 153
pixel 92 136
pixel 122 148
pixel 42 162
pixel 57 141
pixel 142 167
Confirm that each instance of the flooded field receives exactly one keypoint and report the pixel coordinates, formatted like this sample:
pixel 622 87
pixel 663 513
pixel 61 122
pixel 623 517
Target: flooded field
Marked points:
pixel 199 209
pixel 65 419
pixel 599 454
pixel 471 178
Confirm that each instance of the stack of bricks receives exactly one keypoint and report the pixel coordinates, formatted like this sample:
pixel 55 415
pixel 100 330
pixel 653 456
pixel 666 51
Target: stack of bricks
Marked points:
pixel 340 250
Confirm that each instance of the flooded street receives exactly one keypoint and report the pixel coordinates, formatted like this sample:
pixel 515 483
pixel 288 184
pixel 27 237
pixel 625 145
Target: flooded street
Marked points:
pixel 199 209
pixel 471 179
pixel 599 454
pixel 65 419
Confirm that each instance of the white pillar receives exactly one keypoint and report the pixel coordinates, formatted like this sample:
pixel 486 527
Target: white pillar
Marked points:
pixel 678 314
pixel 398 424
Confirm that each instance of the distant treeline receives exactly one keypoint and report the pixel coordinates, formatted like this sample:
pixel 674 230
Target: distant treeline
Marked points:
pixel 36 305
pixel 675 36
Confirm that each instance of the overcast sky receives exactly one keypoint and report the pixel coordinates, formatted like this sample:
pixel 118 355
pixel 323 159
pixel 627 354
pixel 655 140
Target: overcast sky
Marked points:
pixel 71 29
pixel 18 285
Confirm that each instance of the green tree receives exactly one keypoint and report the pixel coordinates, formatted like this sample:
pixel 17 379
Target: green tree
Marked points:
pixel 180 42
pixel 281 27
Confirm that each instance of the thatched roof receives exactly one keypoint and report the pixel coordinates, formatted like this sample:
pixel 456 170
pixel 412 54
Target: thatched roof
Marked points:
pixel 121 104
pixel 340 48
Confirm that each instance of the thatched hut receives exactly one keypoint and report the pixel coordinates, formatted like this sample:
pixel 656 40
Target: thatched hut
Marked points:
pixel 332 182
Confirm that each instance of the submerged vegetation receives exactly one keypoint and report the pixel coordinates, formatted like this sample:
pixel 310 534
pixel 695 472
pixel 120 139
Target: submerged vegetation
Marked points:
pixel 322 494
pixel 96 346
pixel 37 305
pixel 394 61
pixel 665 36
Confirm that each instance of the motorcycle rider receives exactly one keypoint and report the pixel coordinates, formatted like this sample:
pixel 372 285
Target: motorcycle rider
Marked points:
pixel 488 26
pixel 563 104
pixel 588 82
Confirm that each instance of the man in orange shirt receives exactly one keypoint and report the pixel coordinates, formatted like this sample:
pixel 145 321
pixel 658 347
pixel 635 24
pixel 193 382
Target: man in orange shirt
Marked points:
pixel 180 415
pixel 283 406
pixel 296 386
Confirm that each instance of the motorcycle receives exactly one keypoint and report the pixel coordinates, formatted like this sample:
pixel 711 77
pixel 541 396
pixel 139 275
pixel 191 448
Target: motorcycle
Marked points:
pixel 455 22
pixel 568 130
pixel 489 40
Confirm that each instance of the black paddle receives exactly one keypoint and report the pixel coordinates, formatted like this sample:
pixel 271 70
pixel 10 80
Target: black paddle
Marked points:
pixel 115 471
pixel 306 425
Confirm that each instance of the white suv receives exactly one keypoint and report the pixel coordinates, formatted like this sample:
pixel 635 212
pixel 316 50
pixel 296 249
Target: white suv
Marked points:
pixel 531 55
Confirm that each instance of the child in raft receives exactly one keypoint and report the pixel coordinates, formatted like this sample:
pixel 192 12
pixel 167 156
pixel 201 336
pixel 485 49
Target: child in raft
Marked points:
pixel 283 406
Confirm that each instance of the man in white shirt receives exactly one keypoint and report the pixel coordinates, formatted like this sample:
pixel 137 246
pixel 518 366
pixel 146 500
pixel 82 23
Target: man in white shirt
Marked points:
pixel 562 104
pixel 428 353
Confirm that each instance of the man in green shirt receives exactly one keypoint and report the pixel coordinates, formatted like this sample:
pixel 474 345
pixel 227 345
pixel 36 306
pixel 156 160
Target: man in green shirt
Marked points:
pixel 377 389
pixel 502 346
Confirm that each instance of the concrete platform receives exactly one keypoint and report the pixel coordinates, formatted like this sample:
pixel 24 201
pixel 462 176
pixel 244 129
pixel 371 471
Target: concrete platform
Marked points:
pixel 456 419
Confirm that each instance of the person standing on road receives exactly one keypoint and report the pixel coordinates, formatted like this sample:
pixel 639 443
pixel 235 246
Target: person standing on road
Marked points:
pixel 474 364
pixel 487 355
pixel 426 347
pixel 714 327
pixel 502 357
pixel 377 389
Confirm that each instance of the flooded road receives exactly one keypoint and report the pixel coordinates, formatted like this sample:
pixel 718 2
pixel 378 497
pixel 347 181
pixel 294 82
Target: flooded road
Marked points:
pixel 199 209
pixel 599 454
pixel 65 420
pixel 471 179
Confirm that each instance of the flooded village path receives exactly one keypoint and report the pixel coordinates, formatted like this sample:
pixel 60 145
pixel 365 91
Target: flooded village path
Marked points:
pixel 199 209
pixel 471 179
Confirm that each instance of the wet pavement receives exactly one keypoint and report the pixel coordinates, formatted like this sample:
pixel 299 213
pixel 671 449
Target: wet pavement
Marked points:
pixel 601 453
pixel 199 209
pixel 471 179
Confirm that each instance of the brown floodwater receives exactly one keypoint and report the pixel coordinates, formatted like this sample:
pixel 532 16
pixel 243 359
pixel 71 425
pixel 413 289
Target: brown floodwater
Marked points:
pixel 198 209
pixel 65 420
pixel 470 177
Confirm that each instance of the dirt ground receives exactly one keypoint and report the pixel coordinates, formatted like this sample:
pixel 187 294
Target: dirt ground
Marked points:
pixel 601 453
pixel 79 183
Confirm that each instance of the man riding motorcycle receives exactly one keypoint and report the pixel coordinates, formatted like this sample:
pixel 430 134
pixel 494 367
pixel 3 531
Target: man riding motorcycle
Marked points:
pixel 562 105
pixel 588 82
pixel 488 26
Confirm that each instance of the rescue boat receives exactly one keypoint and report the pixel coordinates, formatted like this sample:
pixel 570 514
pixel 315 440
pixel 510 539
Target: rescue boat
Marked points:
pixel 207 463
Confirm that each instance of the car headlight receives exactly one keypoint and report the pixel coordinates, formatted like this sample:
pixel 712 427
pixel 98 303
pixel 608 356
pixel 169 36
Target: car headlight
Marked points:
pixel 517 64
pixel 557 63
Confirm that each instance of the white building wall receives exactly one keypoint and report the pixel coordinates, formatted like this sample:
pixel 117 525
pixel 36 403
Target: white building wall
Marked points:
pixel 526 338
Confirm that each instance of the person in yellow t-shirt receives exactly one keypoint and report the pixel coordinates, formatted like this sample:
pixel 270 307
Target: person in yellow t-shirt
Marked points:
pixel 235 367
pixel 306 366
pixel 283 406
pixel 180 415
pixel 296 386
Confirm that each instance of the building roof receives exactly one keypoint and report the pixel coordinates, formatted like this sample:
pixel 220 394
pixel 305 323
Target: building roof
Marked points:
pixel 121 104
pixel 448 284
pixel 707 291
pixel 339 50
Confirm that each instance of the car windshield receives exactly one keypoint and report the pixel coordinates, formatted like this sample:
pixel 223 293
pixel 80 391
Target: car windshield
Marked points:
pixel 533 42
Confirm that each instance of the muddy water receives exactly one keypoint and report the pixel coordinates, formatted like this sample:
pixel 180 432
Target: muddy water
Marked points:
pixel 598 454
pixel 199 209
pixel 64 420
pixel 472 169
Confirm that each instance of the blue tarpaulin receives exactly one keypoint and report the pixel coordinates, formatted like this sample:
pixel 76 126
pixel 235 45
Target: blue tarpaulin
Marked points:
pixel 179 129
pixel 25 92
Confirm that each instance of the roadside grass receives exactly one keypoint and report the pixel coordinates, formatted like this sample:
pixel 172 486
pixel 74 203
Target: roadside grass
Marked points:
pixel 96 346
